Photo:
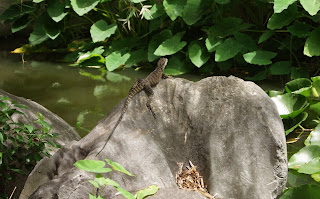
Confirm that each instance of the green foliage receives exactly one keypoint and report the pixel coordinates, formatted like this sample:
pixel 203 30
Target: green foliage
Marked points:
pixel 248 34
pixel 100 182
pixel 299 109
pixel 21 145
pixel 304 191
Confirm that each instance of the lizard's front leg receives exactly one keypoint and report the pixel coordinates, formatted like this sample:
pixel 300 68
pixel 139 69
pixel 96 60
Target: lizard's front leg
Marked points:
pixel 149 92
pixel 164 76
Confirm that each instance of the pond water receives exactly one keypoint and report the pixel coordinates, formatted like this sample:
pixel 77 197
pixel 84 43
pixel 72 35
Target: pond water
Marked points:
pixel 63 90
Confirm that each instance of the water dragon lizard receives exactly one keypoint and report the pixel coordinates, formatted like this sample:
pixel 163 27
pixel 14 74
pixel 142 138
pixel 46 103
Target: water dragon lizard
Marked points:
pixel 142 84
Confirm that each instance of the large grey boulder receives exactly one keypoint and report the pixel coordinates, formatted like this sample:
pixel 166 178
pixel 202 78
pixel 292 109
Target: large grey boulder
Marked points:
pixel 227 127
pixel 66 133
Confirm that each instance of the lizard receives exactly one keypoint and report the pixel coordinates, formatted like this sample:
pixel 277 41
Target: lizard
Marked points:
pixel 142 84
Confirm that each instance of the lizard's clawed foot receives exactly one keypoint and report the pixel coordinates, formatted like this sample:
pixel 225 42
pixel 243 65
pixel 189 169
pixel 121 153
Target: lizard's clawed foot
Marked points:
pixel 165 76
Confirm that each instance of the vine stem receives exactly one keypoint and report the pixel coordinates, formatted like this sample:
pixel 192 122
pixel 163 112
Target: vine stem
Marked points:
pixel 289 50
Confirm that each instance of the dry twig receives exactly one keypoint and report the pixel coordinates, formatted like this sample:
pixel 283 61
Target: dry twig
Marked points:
pixel 189 179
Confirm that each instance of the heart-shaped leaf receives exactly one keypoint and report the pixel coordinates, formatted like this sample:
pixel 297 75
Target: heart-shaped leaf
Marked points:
pixel 290 105
pixel 95 166
pixel 303 156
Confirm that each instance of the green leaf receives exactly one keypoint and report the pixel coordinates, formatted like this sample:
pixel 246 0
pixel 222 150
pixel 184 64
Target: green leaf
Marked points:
pixel 193 10
pixel 290 105
pixel 299 86
pixel 1 139
pixel 312 45
pixel 38 1
pixel 315 90
pixel 29 127
pixel 228 49
pixel 155 41
pixel 303 156
pixel 292 123
pixel 311 167
pixel 124 192
pixel 259 76
pixel 265 36
pixel 52 28
pixel 222 1
pixel 178 65
pixel 82 7
pixel 95 166
pixel 228 26
pixel 316 78
pixel 21 106
pixel 116 166
pixel 171 46
pixel 174 8
pixel 273 93
pixel 18 10
pixel 306 191
pixel 198 53
pixel 38 35
pixel 280 5
pixel 92 60
pixel 136 57
pixel 100 180
pixel 280 68
pixel 279 20
pixel 311 6
pixel 248 44
pixel 122 45
pixel 21 23
pixel 259 57
pixel 147 192
pixel 93 197
pixel 316 176
pixel 155 12
pixel 315 107
pixel 56 11
pixel 296 179
pixel 314 136
pixel 101 30
pixel 116 59
pixel 300 30
pixel 299 73
pixel 212 43
pixel 95 184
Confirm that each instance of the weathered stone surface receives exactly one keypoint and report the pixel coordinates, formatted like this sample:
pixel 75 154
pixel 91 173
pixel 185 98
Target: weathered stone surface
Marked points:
pixel 227 127
pixel 67 133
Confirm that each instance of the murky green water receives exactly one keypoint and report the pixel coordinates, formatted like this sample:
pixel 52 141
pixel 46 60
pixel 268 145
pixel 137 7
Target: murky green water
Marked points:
pixel 63 90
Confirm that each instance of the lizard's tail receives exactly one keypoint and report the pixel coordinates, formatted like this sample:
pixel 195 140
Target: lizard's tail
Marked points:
pixel 125 107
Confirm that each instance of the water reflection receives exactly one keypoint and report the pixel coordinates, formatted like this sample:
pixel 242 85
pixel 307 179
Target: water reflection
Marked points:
pixel 60 88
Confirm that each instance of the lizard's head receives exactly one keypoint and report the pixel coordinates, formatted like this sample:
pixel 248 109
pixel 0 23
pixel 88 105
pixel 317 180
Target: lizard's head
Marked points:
pixel 162 63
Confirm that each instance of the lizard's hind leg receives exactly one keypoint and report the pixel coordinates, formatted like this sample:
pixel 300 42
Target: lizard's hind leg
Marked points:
pixel 149 92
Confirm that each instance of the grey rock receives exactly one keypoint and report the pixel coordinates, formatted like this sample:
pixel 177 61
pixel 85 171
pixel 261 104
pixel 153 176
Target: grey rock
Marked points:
pixel 227 127
pixel 67 133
